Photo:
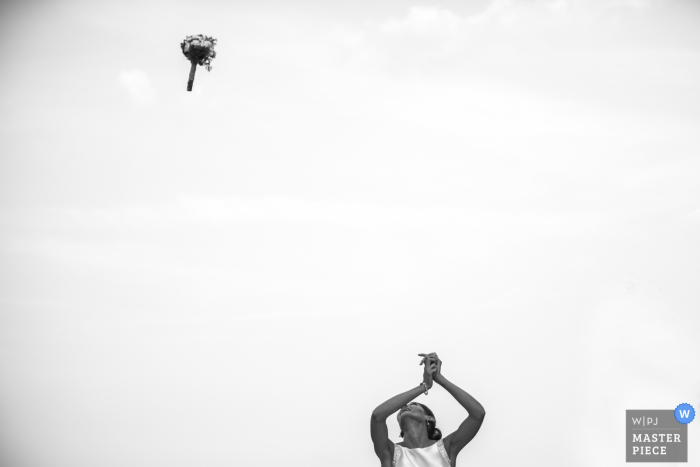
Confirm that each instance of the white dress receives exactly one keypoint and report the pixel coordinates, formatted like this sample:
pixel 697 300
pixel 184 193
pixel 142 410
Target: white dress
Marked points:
pixel 432 456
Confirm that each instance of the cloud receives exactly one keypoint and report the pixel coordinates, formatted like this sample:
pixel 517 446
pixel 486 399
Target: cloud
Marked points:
pixel 693 216
pixel 642 4
pixel 424 20
pixel 202 210
pixel 278 210
pixel 138 86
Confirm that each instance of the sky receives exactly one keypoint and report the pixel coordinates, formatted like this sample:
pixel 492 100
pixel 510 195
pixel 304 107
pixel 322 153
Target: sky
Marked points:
pixel 240 274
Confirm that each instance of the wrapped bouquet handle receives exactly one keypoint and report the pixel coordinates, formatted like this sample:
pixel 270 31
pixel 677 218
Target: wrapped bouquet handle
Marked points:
pixel 199 50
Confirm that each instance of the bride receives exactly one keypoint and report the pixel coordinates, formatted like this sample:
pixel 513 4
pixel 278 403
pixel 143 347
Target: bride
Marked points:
pixel 423 445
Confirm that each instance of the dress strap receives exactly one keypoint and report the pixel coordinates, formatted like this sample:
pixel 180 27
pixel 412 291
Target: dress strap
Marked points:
pixel 397 455
pixel 443 452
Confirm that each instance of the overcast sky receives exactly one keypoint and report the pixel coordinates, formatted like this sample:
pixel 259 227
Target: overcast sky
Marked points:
pixel 239 274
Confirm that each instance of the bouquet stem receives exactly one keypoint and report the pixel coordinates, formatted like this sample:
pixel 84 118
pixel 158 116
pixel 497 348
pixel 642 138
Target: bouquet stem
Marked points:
pixel 192 70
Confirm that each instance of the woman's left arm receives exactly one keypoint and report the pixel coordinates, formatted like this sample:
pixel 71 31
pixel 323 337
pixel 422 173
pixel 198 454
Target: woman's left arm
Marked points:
pixel 455 442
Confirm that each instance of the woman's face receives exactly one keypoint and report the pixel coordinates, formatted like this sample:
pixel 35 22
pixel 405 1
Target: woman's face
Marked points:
pixel 413 410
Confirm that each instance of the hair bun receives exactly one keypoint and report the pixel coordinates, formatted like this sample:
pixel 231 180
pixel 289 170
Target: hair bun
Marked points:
pixel 435 434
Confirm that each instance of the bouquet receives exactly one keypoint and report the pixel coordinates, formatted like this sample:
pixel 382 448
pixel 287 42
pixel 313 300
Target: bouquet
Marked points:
pixel 199 50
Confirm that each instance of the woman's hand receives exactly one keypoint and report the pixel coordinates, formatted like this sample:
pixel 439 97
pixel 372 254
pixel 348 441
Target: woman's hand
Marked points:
pixel 429 370
pixel 433 358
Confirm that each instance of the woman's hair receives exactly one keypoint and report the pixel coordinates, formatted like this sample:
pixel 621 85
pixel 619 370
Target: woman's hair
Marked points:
pixel 433 433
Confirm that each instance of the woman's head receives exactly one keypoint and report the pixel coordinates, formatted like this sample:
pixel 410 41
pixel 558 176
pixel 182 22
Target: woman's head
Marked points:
pixel 423 414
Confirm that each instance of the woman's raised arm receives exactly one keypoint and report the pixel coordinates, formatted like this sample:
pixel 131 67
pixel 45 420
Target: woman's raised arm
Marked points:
pixel 455 442
pixel 378 428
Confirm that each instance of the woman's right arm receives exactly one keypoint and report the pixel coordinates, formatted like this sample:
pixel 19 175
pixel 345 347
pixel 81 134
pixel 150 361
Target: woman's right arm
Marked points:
pixel 378 429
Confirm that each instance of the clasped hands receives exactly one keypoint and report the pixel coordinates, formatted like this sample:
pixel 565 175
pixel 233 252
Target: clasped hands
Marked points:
pixel 432 371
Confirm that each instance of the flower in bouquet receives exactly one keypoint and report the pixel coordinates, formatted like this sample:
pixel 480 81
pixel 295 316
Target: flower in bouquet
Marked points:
pixel 199 50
